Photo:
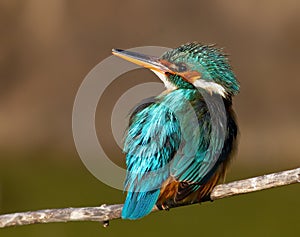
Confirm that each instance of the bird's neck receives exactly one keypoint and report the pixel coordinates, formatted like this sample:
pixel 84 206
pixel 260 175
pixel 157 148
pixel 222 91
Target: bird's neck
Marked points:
pixel 179 82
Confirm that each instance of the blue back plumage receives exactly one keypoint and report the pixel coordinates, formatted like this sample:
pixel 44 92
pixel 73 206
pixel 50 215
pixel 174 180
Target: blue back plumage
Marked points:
pixel 169 137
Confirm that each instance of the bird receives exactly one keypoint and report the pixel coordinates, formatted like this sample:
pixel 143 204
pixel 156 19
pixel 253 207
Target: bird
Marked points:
pixel 179 144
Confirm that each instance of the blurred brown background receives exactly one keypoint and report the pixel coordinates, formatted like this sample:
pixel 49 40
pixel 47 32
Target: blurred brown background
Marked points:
pixel 48 47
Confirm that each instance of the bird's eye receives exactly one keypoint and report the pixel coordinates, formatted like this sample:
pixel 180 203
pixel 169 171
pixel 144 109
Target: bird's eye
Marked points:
pixel 181 67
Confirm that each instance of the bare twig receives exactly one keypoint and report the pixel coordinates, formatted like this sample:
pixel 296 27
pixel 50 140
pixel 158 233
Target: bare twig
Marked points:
pixel 104 213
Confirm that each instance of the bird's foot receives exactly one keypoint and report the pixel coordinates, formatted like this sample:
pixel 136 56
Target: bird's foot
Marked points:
pixel 162 207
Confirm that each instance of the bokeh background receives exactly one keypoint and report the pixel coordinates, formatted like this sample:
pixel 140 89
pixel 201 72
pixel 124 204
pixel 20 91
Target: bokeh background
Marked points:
pixel 48 47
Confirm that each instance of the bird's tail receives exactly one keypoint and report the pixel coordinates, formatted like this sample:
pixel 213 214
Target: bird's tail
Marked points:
pixel 139 204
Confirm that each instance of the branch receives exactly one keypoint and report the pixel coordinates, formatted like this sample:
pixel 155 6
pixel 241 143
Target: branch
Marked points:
pixel 104 213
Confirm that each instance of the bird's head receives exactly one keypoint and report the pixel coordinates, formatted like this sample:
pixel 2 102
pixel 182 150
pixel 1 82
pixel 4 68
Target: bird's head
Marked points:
pixel 191 65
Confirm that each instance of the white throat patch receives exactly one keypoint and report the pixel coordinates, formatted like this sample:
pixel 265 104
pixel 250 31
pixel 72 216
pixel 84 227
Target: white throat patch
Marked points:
pixel 211 87
pixel 164 79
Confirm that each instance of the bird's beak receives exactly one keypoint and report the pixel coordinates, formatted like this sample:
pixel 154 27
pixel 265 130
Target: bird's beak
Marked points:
pixel 155 64
pixel 150 62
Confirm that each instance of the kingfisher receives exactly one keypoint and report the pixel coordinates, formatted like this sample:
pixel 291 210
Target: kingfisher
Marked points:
pixel 179 144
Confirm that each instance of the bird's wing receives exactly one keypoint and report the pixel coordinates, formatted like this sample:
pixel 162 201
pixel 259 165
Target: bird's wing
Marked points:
pixel 208 141
pixel 153 137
